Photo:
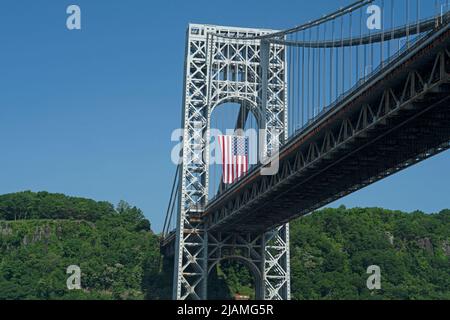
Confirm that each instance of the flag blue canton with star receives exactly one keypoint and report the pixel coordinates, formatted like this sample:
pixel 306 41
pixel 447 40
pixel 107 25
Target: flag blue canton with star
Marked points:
pixel 240 146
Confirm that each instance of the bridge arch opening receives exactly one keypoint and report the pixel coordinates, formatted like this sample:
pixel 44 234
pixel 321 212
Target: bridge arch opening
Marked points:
pixel 231 116
pixel 234 278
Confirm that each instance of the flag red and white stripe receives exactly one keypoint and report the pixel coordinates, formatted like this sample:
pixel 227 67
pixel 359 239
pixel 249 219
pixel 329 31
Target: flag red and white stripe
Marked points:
pixel 234 157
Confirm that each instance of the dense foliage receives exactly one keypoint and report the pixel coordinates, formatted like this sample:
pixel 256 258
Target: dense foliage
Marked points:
pixel 115 249
pixel 44 205
pixel 332 249
pixel 41 234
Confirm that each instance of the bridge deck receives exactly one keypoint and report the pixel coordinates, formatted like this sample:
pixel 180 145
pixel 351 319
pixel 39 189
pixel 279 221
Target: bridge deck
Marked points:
pixel 409 129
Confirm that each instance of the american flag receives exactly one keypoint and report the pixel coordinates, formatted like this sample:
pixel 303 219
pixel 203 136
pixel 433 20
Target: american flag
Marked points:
pixel 234 157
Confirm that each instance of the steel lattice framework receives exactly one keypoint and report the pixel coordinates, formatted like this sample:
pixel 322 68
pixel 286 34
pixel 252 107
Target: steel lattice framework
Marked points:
pixel 219 69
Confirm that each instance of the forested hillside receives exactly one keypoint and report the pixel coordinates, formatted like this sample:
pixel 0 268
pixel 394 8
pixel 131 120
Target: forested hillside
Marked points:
pixel 41 234
pixel 114 247
pixel 332 249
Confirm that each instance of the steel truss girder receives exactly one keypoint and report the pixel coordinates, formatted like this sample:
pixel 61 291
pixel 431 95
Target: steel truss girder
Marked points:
pixel 217 71
pixel 419 90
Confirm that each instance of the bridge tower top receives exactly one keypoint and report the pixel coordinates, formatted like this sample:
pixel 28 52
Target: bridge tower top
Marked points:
pixel 221 67
pixel 202 30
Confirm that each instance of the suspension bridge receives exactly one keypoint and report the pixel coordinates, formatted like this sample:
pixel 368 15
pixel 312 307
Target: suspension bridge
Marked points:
pixel 340 103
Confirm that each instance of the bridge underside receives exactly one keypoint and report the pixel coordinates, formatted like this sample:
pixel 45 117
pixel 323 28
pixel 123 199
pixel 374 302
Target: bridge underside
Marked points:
pixel 328 180
pixel 395 121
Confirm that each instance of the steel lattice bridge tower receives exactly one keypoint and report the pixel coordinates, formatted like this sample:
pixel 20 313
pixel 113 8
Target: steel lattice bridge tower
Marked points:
pixel 211 61
pixel 341 105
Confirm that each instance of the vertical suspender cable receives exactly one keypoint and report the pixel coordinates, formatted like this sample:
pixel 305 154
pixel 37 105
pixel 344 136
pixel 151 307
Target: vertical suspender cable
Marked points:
pixel 418 18
pixel 289 83
pixel 392 29
pixel 343 55
pixel 302 109
pixel 297 107
pixel 398 43
pixel 293 84
pixel 298 85
pixel 358 48
pixel 313 93
pixel 331 63
pixel 371 52
pixel 350 75
pixel 324 85
pixel 382 35
pixel 365 62
pixel 172 195
pixel 436 10
pixel 308 74
pixel 407 23
pixel 445 10
pixel 319 74
pixel 337 69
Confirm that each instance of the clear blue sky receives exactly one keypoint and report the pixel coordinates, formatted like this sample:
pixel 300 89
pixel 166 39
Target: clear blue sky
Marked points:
pixel 89 113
